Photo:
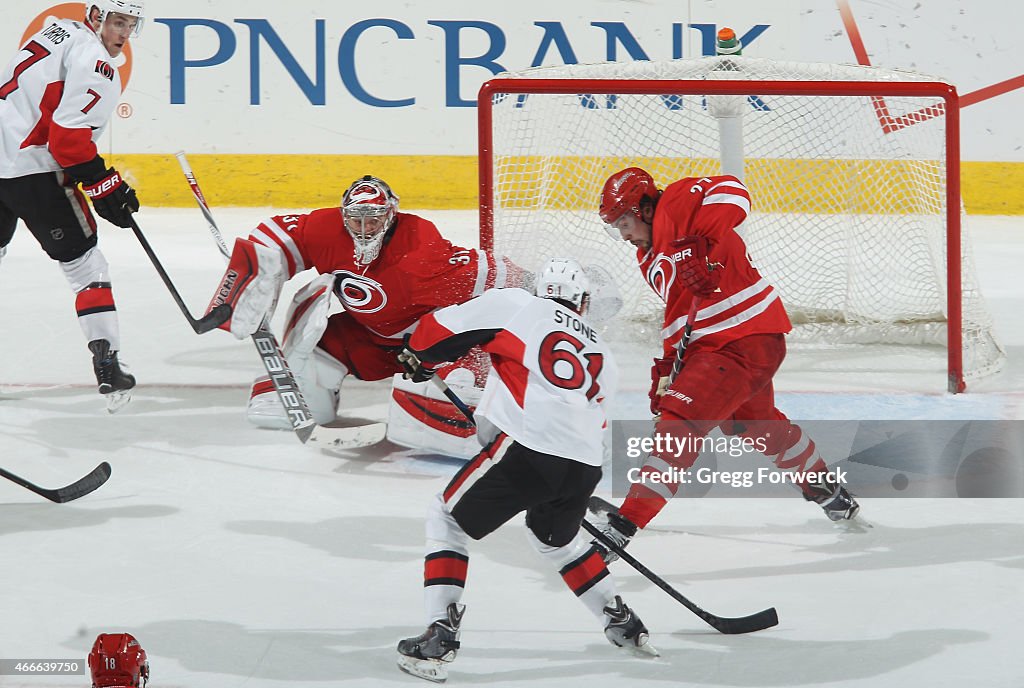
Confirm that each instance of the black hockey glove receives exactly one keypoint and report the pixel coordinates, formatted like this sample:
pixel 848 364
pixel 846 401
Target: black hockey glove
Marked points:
pixel 414 368
pixel 111 197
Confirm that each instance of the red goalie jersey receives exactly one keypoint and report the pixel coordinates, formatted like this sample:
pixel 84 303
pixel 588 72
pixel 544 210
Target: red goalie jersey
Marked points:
pixel 745 302
pixel 417 271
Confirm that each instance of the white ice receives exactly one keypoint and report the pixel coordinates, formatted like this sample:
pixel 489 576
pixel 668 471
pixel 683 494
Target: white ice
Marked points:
pixel 239 557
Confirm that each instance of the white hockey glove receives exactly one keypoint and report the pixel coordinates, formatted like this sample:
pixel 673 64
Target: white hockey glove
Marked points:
pixel 414 368
pixel 250 286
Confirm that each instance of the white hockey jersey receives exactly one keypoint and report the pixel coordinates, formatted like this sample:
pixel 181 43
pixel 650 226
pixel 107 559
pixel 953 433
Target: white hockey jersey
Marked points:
pixel 56 98
pixel 551 375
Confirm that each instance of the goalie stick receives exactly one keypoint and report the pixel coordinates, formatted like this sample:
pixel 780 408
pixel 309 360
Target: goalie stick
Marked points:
pixel 79 488
pixel 211 320
pixel 759 621
pixel 269 350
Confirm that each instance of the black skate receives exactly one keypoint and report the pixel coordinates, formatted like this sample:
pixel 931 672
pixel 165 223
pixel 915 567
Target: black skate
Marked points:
pixel 837 503
pixel 426 655
pixel 625 629
pixel 113 382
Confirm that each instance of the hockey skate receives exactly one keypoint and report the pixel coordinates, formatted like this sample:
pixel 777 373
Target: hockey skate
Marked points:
pixel 625 629
pixel 619 530
pixel 426 655
pixel 837 503
pixel 113 382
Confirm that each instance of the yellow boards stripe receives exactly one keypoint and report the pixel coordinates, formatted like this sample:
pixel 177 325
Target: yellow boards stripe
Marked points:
pixel 449 182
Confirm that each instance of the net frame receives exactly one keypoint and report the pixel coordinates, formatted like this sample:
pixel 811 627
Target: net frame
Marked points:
pixel 579 80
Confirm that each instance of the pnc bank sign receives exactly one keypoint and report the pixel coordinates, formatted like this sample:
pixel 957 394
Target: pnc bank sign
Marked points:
pixel 554 45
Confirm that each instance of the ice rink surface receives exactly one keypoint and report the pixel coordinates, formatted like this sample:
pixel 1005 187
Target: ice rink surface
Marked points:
pixel 239 557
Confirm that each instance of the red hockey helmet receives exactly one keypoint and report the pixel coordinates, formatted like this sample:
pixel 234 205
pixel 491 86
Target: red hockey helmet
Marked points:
pixel 118 661
pixel 623 192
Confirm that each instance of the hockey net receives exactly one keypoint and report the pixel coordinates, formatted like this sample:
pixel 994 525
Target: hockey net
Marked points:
pixel 853 174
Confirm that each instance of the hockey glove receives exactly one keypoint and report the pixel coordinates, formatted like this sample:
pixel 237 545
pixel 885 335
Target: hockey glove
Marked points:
pixel 111 196
pixel 660 373
pixel 694 270
pixel 250 286
pixel 415 370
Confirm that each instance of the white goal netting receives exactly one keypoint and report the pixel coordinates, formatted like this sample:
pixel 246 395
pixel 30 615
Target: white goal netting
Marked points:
pixel 849 191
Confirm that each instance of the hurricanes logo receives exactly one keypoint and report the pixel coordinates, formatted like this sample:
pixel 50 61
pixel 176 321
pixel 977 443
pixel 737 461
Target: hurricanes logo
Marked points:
pixel 76 12
pixel 661 275
pixel 359 294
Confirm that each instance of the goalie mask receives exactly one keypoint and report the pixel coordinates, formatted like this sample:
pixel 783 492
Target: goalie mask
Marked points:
pixel 368 209
pixel 118 661
pixel 622 193
pixel 563 279
pixel 132 8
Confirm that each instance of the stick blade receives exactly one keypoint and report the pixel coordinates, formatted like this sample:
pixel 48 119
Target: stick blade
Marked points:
pixel 763 619
pixel 212 320
pixel 82 486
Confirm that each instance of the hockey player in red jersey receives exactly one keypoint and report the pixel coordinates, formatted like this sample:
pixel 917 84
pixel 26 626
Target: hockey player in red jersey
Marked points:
pixel 541 419
pixel 731 322
pixel 56 98
pixel 387 269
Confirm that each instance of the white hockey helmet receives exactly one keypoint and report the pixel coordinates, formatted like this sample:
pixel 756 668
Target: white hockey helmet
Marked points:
pixel 565 280
pixel 368 208
pixel 133 8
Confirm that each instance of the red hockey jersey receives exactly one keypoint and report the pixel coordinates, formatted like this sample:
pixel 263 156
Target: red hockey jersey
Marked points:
pixel 416 272
pixel 745 303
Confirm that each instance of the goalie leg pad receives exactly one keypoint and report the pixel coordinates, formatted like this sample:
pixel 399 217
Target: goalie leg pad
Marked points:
pixel 319 376
pixel 250 285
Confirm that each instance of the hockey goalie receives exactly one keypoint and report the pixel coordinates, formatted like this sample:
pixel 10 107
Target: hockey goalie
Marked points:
pixel 380 271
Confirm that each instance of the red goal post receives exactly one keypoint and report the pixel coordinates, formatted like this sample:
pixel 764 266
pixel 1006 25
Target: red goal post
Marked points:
pixel 867 157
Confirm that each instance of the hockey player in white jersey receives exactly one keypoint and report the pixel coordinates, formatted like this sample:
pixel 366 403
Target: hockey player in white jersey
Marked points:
pixel 56 97
pixel 541 419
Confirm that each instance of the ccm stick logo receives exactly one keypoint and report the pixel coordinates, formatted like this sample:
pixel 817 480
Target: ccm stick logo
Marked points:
pixel 283 381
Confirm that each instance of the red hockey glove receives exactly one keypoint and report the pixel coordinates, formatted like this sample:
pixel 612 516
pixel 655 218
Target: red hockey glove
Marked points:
pixel 700 277
pixel 111 196
pixel 660 373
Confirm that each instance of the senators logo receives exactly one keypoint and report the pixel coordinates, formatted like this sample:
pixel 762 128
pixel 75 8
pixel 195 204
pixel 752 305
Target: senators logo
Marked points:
pixel 359 294
pixel 661 275
pixel 105 70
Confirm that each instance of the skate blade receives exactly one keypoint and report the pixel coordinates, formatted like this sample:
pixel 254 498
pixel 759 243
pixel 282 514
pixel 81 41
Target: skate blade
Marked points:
pixel 117 400
pixel 644 650
pixel 430 669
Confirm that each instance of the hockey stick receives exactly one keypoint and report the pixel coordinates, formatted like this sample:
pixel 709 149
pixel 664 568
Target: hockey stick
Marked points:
pixel 677 364
pixel 281 376
pixel 211 320
pixel 79 488
pixel 454 398
pixel 728 625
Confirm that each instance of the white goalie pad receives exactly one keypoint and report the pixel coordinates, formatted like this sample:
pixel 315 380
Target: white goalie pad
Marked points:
pixel 318 375
pixel 421 417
